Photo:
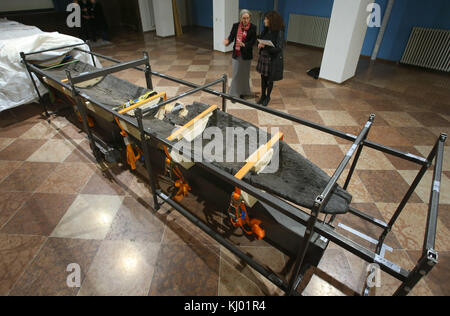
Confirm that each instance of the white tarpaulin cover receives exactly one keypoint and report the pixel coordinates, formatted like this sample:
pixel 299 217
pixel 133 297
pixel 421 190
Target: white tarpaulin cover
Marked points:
pixel 16 87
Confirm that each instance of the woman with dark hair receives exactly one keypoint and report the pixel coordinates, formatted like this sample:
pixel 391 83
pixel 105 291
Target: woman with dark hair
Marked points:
pixel 243 37
pixel 271 59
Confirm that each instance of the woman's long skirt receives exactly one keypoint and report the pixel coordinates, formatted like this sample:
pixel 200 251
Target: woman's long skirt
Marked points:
pixel 240 84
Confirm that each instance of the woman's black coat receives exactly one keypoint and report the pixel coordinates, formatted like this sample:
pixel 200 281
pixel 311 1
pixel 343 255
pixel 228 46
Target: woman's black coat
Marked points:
pixel 276 53
pixel 250 40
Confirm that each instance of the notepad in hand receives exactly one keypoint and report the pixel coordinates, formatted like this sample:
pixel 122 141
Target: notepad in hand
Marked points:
pixel 267 43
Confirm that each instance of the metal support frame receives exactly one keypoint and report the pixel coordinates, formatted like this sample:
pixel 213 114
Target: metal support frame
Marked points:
pixel 41 100
pixel 83 113
pixel 322 201
pixel 148 165
pixel 408 279
pixel 224 90
pixel 148 72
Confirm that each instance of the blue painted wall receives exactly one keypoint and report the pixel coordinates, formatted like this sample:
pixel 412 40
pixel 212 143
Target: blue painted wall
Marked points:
pixel 202 13
pixel 405 15
pixel 260 5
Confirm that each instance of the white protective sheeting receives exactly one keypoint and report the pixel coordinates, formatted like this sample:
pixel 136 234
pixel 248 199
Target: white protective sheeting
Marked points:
pixel 16 87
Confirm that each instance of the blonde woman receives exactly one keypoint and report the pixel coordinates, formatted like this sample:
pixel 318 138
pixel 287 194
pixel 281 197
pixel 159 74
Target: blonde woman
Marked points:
pixel 243 37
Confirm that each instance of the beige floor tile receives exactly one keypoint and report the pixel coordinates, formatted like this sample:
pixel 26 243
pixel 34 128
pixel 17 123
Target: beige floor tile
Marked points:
pixel 41 130
pixel 337 118
pixel 89 217
pixel 5 142
pixel 356 188
pixel 410 226
pixel 425 151
pixel 309 136
pixel 121 268
pixel 54 150
pixel 370 159
pixel 424 188
pixel 269 119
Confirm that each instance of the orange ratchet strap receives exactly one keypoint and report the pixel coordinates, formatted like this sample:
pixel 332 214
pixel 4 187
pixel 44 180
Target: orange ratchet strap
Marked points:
pixel 180 183
pixel 242 218
pixel 132 157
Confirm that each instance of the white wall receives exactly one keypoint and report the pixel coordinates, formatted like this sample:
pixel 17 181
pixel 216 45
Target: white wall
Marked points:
pixel 348 26
pixel 147 15
pixel 163 18
pixel 23 5
pixel 225 14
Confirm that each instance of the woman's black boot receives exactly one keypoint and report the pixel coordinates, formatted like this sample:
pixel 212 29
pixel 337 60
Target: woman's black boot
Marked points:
pixel 261 100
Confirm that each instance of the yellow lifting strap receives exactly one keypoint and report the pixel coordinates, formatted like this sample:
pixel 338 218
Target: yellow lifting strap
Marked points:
pixel 143 102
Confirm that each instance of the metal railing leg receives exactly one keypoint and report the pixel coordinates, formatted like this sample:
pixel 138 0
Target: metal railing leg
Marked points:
pixel 406 198
pixel 41 100
pixel 148 165
pixel 423 267
pixel 224 90
pixel 294 280
pixel 84 119
pixel 148 72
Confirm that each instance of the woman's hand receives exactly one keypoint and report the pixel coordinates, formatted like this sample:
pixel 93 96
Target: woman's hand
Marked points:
pixel 241 44
pixel 226 42
pixel 261 46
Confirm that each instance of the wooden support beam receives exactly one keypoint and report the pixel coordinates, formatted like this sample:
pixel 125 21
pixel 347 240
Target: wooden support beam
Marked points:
pixel 179 132
pixel 253 159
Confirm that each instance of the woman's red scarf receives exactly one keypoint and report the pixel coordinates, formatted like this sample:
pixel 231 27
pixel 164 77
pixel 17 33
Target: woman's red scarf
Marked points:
pixel 240 34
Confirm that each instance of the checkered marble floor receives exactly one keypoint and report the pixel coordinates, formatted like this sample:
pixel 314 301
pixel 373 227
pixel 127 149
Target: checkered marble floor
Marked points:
pixel 58 207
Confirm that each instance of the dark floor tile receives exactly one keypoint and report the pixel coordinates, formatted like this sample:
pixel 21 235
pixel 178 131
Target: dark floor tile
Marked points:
pixel 15 129
pixel 386 186
pixel 99 183
pixel 21 149
pixel 7 167
pixel 366 227
pixel 312 116
pixel 419 136
pixel 16 253
pixel 82 153
pixel 336 265
pixel 361 117
pixel 389 136
pixel 430 119
pixel 10 202
pixel 47 275
pixel 136 222
pixel 27 177
pixel 186 270
pixel 437 279
pixel 327 104
pixel 250 116
pixel 324 156
pixel 289 133
pixel 402 164
pixel 40 214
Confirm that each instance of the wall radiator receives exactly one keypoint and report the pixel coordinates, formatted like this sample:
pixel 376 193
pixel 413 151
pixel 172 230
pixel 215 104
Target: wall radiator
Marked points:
pixel 428 48
pixel 308 30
